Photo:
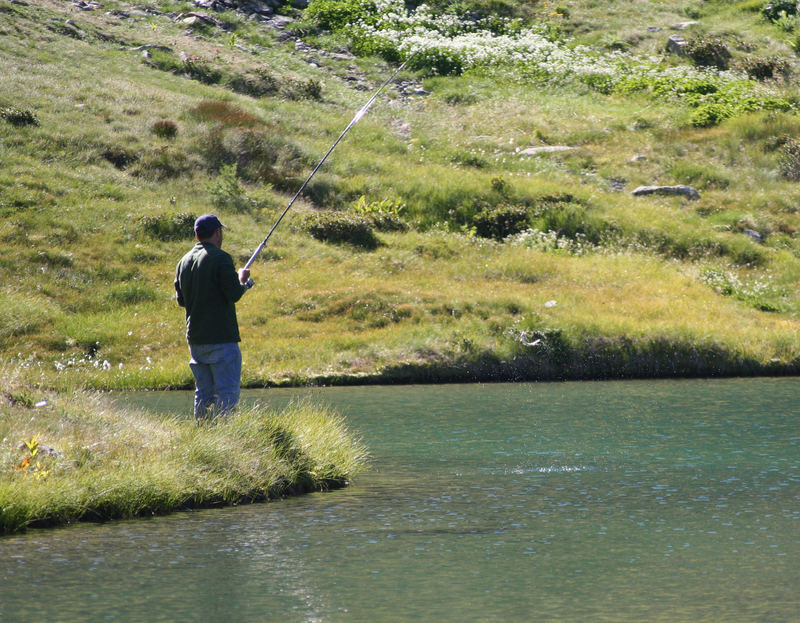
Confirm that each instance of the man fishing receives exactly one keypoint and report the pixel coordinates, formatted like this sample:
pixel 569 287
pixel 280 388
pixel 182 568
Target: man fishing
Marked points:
pixel 208 287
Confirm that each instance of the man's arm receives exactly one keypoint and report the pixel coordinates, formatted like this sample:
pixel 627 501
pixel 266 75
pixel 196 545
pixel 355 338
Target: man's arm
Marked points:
pixel 229 280
pixel 178 293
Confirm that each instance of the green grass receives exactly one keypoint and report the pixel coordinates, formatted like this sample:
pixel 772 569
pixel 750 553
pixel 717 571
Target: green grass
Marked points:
pixel 94 207
pixel 97 461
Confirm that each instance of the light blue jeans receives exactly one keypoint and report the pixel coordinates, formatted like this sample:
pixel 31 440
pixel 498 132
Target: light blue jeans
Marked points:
pixel 217 370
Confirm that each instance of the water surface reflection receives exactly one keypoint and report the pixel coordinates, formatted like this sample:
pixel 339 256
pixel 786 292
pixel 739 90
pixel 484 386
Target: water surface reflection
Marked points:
pixel 657 501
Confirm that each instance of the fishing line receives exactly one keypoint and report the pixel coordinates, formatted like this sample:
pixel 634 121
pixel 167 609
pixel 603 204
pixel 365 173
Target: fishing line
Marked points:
pixel 362 111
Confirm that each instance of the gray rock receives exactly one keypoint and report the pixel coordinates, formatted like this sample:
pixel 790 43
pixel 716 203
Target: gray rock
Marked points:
pixel 547 149
pixel 684 25
pixel 653 28
pixel 677 45
pixel 639 158
pixel 753 234
pixel 279 22
pixel 680 189
pixel 149 46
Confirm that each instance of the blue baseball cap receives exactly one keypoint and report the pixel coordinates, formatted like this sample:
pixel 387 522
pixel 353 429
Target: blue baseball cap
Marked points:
pixel 206 225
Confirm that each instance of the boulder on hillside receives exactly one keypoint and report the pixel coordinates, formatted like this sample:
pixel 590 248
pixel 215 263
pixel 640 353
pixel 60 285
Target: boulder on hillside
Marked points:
pixel 677 45
pixel 680 189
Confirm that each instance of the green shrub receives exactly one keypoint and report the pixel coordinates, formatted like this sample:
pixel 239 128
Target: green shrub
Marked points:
pixel 295 89
pixel 336 14
pixel 341 227
pixel 571 220
pixel 500 222
pixel 259 155
pixel 256 84
pixel 18 116
pixel 119 156
pixel 711 114
pixel 764 68
pixel 164 128
pixel 227 193
pixel 191 66
pixel 161 164
pixel 773 11
pixel 467 158
pixel 167 227
pixel 384 215
pixel 201 70
pixel 708 52
pixel 436 61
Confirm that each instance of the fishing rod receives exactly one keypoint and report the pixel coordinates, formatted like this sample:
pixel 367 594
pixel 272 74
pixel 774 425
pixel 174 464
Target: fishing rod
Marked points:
pixel 362 111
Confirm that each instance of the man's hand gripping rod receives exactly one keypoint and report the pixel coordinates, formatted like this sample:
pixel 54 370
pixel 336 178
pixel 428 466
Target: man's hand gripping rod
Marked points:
pixel 355 120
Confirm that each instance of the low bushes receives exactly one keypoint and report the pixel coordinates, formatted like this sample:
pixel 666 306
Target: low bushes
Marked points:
pixel 18 116
pixel 166 227
pixel 708 52
pixel 773 11
pixel 501 221
pixel 341 227
pixel 257 83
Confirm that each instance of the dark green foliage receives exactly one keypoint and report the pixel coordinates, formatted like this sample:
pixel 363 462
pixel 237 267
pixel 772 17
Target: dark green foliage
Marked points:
pixel 227 193
pixel 166 227
pixel 191 66
pixel 53 259
pixel 764 67
pixel 789 159
pixel 18 116
pixel 730 101
pixel 711 114
pixel 119 156
pixel 467 158
pixel 435 61
pixel 388 222
pixel 341 227
pixel 602 83
pixel 161 164
pixel 708 52
pixel 774 10
pixel 258 155
pixel 570 220
pixel 336 14
pixel 164 128
pixel 501 222
pixel 302 89
pixel 256 84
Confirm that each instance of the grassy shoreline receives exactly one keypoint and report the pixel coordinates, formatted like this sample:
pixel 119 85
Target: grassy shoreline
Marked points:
pixel 68 457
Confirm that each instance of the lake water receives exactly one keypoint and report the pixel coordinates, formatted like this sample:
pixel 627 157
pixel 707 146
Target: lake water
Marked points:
pixel 608 501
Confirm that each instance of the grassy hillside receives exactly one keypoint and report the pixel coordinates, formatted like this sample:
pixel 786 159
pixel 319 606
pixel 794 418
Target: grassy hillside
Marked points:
pixel 434 244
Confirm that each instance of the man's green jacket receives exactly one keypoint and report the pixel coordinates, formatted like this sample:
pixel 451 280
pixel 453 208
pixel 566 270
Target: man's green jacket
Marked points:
pixel 208 286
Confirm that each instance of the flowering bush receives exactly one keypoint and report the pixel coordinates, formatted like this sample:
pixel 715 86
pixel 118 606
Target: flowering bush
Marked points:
pixel 443 43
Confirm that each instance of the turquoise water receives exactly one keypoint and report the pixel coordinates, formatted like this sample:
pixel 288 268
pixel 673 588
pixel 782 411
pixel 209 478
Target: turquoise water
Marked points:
pixel 611 501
